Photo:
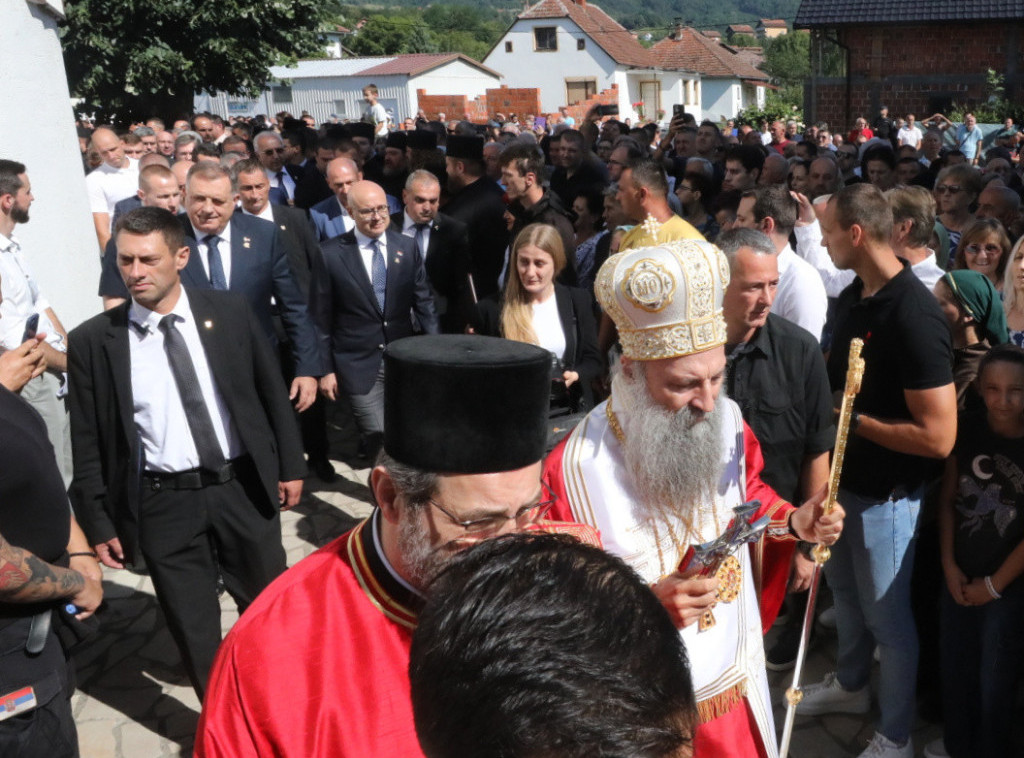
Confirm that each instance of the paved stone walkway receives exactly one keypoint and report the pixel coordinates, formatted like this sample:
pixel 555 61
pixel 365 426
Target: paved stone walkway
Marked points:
pixel 134 700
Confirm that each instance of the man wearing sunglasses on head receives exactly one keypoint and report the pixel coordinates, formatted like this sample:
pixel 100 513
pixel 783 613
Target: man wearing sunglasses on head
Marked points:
pixel 318 666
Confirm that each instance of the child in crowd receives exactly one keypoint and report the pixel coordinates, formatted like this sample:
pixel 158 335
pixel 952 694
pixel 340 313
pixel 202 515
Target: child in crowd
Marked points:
pixel 982 538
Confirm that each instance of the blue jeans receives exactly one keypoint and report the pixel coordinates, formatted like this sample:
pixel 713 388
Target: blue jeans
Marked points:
pixel 982 649
pixel 869 574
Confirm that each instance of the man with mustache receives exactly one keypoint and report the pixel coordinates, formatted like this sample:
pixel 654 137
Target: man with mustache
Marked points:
pixel 661 464
pixel 319 665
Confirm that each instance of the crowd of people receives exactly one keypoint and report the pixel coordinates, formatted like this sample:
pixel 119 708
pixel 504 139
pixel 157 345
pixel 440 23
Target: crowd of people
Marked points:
pixel 590 332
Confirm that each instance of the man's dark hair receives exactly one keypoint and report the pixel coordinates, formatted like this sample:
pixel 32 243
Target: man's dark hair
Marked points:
pixel 573 135
pixel 882 153
pixel 246 166
pixel 594 198
pixel 649 173
pixel 641 135
pixel 209 149
pixel 216 119
pixel 538 645
pixel 703 185
pixel 526 159
pixel 148 220
pixel 750 156
pixel 727 200
pixel 244 127
pixel 634 150
pixel 774 201
pixel 865 205
pixel 10 181
pixel 812 149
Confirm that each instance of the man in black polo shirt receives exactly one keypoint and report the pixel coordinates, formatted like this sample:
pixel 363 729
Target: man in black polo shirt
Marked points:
pixel 904 418
pixel 777 376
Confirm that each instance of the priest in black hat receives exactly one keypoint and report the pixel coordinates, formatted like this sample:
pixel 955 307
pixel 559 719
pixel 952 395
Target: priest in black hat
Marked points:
pixel 371 163
pixel 479 203
pixel 318 665
pixel 396 164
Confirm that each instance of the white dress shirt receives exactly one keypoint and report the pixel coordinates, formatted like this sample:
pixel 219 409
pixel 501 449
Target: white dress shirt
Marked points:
pixel 223 247
pixel 267 213
pixel 346 219
pixel 366 251
pixel 800 297
pixel 159 413
pixel 548 327
pixel 21 299
pixel 409 230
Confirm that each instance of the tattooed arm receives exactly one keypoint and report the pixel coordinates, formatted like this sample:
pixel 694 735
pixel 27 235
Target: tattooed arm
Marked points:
pixel 26 578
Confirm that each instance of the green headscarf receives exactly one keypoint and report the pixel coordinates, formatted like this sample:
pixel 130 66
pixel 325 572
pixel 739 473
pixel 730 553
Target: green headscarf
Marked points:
pixel 981 301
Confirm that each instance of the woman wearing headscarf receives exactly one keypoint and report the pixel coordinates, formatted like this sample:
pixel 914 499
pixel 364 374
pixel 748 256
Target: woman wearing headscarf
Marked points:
pixel 974 310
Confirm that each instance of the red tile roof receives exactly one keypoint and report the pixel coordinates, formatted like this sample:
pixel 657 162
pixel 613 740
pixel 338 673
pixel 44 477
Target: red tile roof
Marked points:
pixel 712 34
pixel 605 31
pixel 417 63
pixel 687 48
pixel 740 29
pixel 772 23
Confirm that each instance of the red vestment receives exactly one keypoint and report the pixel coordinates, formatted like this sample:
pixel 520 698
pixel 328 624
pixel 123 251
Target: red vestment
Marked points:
pixel 318 664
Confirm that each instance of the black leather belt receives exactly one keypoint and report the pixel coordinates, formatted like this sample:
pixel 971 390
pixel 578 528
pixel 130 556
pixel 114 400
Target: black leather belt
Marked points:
pixel 193 479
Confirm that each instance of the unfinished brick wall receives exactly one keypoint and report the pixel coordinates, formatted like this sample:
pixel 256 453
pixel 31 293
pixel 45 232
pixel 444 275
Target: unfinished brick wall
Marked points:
pixel 913 68
pixel 506 100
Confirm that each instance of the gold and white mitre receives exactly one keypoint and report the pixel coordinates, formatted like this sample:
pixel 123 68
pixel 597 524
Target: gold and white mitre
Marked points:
pixel 666 301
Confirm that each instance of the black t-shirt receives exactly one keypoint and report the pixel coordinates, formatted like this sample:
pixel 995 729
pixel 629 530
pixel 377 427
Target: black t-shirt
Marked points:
pixel 907 346
pixel 34 509
pixel 988 513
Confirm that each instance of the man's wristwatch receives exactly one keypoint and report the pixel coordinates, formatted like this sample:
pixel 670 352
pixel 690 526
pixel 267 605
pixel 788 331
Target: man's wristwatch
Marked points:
pixel 854 421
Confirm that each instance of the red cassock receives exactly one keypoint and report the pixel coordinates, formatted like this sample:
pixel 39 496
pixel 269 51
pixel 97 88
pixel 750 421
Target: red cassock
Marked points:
pixel 728 728
pixel 318 664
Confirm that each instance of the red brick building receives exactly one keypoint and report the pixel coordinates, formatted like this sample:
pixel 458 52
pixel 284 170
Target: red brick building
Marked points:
pixel 917 57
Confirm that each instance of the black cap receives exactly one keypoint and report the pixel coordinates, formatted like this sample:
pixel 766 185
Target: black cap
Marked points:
pixel 465 404
pixel 361 129
pixel 397 140
pixel 470 148
pixel 421 139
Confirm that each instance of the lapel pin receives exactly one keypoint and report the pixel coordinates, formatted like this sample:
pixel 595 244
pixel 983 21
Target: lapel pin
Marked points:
pixel 284 228
pixel 208 325
pixel 246 240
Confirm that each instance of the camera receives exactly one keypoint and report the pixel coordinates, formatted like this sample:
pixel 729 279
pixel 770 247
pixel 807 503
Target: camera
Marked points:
pixel 607 110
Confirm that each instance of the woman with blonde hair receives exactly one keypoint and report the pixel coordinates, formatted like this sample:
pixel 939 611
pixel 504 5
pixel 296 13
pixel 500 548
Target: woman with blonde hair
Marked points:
pixel 1013 293
pixel 984 247
pixel 533 308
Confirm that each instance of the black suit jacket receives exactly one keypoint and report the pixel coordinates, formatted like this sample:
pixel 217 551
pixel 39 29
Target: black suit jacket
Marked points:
pixel 576 312
pixel 106 446
pixel 278 195
pixel 353 330
pixel 447 264
pixel 311 188
pixel 301 246
pixel 260 270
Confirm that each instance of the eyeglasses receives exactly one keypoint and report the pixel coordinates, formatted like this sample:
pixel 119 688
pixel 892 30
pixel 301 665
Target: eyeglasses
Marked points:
pixel 483 527
pixel 686 187
pixel 975 249
pixel 380 210
pixel 952 189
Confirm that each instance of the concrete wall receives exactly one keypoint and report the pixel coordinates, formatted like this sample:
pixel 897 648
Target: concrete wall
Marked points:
pixel 525 67
pixel 37 128
pixel 720 97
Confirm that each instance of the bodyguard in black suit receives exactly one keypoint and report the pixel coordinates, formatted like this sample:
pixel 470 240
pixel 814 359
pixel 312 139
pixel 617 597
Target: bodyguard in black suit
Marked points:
pixel 443 243
pixel 249 259
pixel 284 177
pixel 185 445
pixel 367 284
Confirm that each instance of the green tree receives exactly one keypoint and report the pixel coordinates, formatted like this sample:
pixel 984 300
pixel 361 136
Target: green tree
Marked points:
pixel 130 59
pixel 383 35
pixel 787 58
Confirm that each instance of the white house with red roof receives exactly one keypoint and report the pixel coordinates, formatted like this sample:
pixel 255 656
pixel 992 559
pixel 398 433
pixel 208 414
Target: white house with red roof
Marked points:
pixel 334 86
pixel 729 82
pixel 572 50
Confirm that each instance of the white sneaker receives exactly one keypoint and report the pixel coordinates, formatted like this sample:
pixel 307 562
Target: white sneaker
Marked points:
pixel 827 696
pixel 936 749
pixel 882 747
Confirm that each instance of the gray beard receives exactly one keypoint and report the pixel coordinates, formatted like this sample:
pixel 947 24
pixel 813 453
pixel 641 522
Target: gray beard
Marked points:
pixel 422 560
pixel 673 459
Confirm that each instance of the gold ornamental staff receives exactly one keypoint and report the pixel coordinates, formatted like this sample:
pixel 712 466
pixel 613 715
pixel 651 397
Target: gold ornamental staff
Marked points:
pixel 854 375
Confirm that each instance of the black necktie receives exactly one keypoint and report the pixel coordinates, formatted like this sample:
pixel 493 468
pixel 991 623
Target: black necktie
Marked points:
pixel 421 245
pixel 197 415
pixel 217 279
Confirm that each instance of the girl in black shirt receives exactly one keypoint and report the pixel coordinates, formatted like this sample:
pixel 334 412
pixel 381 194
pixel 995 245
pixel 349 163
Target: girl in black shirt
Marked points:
pixel 982 537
